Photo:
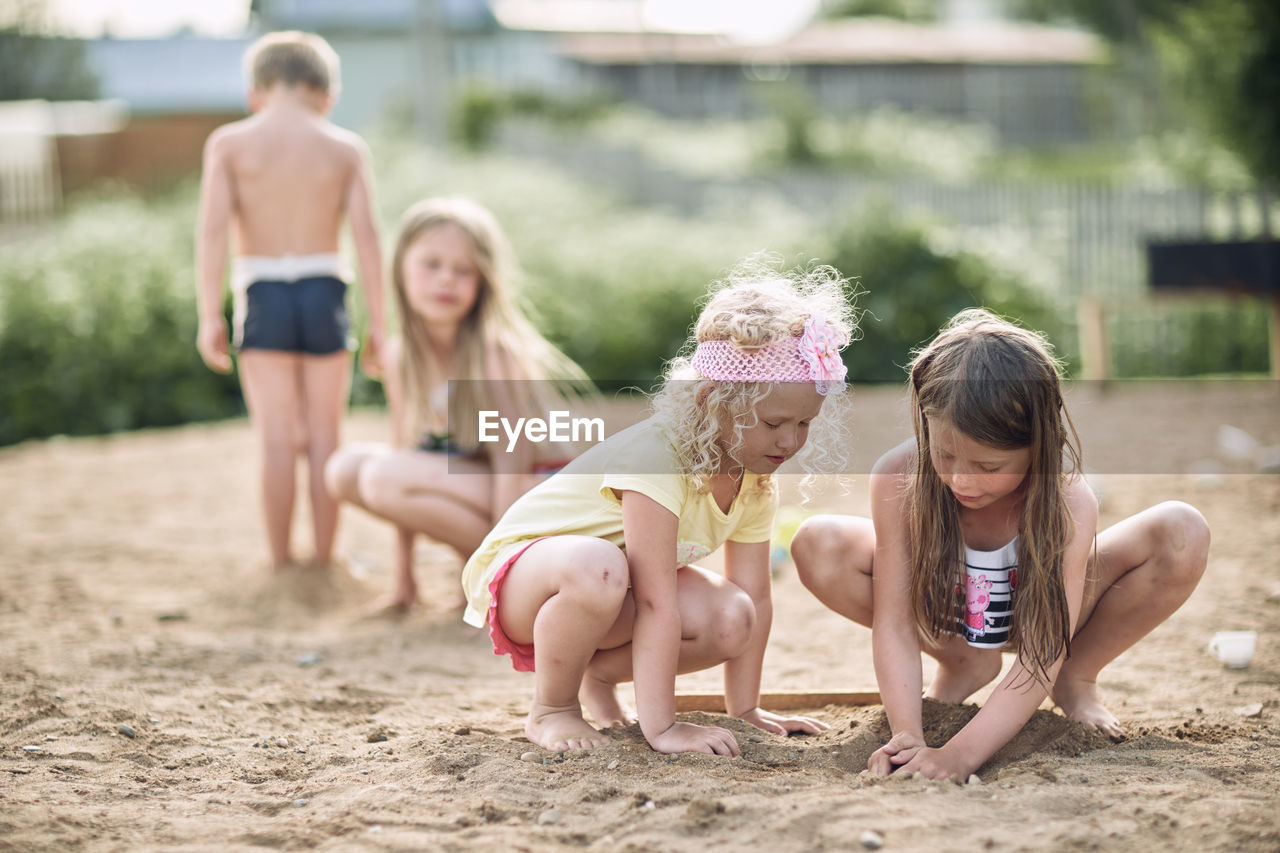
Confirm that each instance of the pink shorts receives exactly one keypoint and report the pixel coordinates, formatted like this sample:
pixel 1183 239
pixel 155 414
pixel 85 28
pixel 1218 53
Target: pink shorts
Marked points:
pixel 521 654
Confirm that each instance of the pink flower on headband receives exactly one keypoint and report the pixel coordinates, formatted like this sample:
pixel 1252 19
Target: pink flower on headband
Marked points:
pixel 820 347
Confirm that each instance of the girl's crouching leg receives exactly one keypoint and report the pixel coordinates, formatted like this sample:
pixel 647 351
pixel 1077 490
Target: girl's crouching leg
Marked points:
pixel 563 595
pixel 1181 541
pixel 717 619
pixel 833 556
pixel 342 470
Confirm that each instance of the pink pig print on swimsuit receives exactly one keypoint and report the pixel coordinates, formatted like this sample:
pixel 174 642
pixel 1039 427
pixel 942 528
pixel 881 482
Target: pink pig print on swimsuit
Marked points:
pixel 990 580
pixel 977 597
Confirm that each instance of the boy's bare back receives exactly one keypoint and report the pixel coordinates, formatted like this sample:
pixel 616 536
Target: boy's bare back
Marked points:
pixel 289 175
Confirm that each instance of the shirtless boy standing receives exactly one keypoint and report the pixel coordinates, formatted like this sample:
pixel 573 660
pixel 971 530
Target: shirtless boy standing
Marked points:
pixel 276 188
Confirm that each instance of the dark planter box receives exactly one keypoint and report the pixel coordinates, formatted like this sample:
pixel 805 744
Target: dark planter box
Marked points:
pixel 1222 267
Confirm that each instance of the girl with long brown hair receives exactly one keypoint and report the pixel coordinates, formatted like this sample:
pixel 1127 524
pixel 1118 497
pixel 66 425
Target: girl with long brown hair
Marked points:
pixel 464 347
pixel 982 535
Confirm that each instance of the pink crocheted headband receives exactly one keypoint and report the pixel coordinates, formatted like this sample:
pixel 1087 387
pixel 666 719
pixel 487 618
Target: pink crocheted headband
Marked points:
pixel 813 356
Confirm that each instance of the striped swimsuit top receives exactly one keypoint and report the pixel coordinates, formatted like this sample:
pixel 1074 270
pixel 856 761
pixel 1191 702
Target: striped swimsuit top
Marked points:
pixel 991 578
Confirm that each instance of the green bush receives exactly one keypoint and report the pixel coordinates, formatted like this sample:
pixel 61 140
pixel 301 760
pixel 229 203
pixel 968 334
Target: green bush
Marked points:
pixel 912 287
pixel 1192 338
pixel 476 111
pixel 98 323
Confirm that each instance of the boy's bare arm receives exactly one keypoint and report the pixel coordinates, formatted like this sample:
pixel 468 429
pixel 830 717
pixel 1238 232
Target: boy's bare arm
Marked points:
pixel 364 231
pixel 212 232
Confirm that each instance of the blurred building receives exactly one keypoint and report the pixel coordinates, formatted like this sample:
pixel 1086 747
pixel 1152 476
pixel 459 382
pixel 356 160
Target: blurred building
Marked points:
pixel 401 58
pixel 1032 83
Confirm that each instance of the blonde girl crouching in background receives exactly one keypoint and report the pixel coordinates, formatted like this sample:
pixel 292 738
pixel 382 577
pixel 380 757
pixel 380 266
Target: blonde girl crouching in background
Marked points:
pixel 982 534
pixel 589 579
pixel 453 274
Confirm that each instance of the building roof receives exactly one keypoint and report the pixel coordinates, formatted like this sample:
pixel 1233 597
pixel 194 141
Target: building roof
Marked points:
pixel 176 74
pixel 861 41
pixel 369 15
pixel 571 16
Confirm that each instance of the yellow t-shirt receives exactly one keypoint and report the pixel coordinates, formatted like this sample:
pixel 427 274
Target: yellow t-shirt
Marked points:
pixel 580 500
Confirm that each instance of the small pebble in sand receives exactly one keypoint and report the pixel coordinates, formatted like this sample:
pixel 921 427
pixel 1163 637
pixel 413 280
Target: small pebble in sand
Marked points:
pixel 126 730
pixel 871 840
pixel 50 737
pixel 613 765
pixel 548 818
pixel 32 748
pixel 531 757
pixel 309 659
pixel 1252 710
pixel 462 730
pixel 282 742
pixel 299 802
pixel 974 780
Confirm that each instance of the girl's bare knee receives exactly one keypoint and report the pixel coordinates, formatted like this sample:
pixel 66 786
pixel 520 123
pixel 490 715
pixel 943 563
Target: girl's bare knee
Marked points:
pixel 1183 538
pixel 340 474
pixel 734 624
pixel 374 483
pixel 597 570
pixel 822 549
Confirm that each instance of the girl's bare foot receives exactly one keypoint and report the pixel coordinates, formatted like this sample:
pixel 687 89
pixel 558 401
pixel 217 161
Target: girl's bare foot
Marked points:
pixel 561 729
pixel 391 607
pixel 1079 701
pixel 600 699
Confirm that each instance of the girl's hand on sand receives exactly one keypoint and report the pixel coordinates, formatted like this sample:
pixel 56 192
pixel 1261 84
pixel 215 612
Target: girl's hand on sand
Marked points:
pixel 686 737
pixel 900 749
pixel 936 764
pixel 779 725
pixel 211 341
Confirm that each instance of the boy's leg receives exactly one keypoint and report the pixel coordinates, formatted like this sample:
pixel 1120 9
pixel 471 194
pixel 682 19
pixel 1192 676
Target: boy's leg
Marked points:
pixel 446 498
pixel 1144 568
pixel 716 621
pixel 833 555
pixel 563 595
pixel 325 380
pixel 271 382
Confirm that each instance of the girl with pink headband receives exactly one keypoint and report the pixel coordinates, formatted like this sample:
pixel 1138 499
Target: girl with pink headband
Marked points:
pixel 589 579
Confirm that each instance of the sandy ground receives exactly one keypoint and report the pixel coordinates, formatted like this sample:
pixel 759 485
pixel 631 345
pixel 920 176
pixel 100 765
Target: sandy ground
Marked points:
pixel 264 712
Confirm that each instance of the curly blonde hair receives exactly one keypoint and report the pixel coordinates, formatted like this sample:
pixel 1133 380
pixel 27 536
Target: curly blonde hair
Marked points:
pixel 754 306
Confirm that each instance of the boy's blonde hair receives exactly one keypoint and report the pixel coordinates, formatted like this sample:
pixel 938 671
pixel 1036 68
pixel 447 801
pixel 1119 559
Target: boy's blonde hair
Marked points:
pixel 756 305
pixel 295 59
pixel 540 377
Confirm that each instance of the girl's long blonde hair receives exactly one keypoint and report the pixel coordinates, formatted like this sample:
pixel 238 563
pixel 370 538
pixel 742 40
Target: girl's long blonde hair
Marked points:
pixel 998 384
pixel 754 306
pixel 540 377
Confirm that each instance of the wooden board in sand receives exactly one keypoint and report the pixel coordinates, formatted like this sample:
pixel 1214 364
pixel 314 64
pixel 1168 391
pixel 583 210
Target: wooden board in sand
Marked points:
pixel 793 700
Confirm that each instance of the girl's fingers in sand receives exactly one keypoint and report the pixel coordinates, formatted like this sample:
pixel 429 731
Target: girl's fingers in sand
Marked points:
pixel 687 737
pixel 934 764
pixel 780 725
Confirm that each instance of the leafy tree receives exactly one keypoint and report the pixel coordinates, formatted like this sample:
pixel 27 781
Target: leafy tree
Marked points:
pixel 907 10
pixel 1218 60
pixel 34 64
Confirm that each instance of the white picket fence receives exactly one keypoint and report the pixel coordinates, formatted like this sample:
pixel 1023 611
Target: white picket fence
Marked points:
pixel 29 183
